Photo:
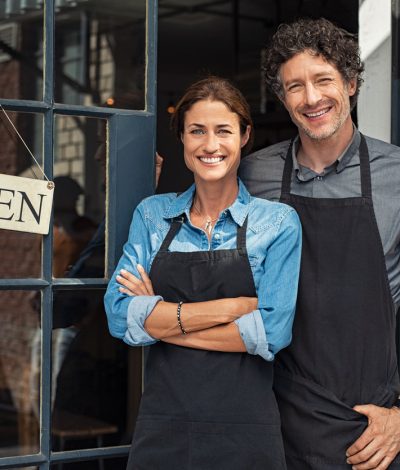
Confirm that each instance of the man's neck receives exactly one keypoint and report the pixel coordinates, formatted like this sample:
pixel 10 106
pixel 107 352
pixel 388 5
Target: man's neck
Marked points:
pixel 319 154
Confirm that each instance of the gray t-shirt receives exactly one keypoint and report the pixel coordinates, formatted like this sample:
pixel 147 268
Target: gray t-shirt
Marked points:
pixel 262 174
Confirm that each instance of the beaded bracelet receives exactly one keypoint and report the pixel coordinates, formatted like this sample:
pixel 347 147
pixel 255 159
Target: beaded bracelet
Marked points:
pixel 178 314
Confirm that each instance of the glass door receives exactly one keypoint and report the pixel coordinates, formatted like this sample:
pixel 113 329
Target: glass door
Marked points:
pixel 78 82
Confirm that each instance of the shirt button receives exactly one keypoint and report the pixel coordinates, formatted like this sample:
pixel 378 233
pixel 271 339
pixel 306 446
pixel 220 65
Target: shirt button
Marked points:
pixel 217 236
pixel 320 178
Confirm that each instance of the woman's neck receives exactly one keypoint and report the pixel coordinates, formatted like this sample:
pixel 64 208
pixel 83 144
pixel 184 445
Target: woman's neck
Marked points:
pixel 212 198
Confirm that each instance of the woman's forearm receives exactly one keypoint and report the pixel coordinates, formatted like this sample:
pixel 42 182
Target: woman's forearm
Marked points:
pixel 196 316
pixel 224 338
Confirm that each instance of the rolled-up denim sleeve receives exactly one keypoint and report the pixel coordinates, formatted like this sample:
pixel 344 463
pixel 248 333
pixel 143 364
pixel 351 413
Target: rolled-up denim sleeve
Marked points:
pixel 252 331
pixel 139 309
pixel 126 314
pixel 269 329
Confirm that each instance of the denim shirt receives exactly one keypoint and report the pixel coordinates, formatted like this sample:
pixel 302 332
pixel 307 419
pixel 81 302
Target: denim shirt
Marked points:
pixel 273 239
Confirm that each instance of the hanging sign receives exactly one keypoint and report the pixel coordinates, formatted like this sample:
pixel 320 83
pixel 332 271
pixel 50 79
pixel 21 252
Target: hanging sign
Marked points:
pixel 25 204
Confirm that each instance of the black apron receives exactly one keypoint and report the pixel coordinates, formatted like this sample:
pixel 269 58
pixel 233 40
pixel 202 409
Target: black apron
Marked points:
pixel 205 410
pixel 343 351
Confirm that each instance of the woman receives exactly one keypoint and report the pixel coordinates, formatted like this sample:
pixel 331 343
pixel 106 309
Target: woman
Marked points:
pixel 224 266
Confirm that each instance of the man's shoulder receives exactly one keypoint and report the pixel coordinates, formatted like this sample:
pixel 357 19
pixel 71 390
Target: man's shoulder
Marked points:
pixel 379 148
pixel 262 170
pixel 269 154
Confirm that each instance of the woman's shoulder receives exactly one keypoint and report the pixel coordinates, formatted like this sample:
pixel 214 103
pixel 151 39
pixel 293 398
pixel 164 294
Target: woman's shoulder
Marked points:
pixel 264 213
pixel 153 209
pixel 157 202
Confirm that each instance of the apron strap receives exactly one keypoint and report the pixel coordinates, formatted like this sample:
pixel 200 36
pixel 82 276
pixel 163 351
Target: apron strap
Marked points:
pixel 241 236
pixel 365 169
pixel 173 230
pixel 177 224
pixel 287 171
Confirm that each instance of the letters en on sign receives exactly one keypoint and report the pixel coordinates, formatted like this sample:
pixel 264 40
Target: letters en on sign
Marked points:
pixel 25 204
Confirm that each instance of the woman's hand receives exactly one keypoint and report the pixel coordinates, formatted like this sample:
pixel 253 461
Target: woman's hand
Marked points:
pixel 132 285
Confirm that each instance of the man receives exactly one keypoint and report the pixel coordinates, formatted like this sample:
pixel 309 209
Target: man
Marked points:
pixel 337 383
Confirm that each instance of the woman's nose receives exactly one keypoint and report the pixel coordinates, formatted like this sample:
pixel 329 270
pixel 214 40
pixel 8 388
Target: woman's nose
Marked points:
pixel 211 144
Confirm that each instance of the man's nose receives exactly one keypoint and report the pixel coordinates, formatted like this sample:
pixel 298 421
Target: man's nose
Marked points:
pixel 312 94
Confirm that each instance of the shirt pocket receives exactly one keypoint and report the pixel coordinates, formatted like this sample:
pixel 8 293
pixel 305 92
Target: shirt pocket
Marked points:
pixel 253 261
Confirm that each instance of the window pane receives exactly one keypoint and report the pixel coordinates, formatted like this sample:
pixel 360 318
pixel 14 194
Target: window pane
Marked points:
pixel 107 464
pixel 21 252
pixel 79 197
pixel 19 372
pixel 100 53
pixel 96 378
pixel 21 64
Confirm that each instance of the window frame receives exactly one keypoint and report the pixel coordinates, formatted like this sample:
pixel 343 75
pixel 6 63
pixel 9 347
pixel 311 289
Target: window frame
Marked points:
pixel 128 131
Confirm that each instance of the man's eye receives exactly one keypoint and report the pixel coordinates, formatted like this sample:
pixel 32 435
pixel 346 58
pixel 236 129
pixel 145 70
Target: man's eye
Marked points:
pixel 325 80
pixel 294 87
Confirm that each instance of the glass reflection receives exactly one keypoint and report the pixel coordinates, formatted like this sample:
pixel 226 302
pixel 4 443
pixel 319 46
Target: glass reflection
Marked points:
pixel 79 197
pixel 21 49
pixel 19 372
pixel 21 252
pixel 96 383
pixel 100 53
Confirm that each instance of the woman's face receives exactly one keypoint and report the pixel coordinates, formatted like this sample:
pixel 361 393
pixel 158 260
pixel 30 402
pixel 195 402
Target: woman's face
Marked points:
pixel 212 141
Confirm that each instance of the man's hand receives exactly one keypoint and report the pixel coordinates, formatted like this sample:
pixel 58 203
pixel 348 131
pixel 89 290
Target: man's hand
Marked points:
pixel 379 444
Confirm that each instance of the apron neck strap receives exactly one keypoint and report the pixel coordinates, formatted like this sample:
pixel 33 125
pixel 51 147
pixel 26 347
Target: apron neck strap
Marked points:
pixel 365 171
pixel 177 224
pixel 241 235
pixel 287 171
pixel 173 230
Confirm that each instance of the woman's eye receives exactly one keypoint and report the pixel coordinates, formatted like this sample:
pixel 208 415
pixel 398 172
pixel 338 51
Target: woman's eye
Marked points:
pixel 198 131
pixel 224 131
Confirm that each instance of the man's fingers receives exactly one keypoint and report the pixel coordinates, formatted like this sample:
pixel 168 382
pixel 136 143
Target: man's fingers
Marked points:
pixel 361 443
pixel 364 455
pixel 385 463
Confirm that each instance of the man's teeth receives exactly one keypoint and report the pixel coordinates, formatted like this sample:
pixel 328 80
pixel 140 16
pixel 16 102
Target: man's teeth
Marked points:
pixel 319 113
pixel 211 159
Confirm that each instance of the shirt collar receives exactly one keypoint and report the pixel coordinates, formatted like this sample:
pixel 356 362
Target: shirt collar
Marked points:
pixel 183 202
pixel 305 174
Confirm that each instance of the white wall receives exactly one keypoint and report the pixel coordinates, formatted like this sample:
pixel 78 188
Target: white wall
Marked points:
pixel 374 104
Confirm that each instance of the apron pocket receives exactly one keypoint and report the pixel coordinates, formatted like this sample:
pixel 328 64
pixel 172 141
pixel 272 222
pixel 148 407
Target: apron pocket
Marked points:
pixel 159 445
pixel 316 425
pixel 217 446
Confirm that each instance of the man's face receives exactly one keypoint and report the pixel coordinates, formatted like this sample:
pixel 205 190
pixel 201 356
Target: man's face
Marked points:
pixel 316 96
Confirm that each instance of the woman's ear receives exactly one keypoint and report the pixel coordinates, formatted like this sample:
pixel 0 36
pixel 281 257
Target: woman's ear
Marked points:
pixel 246 136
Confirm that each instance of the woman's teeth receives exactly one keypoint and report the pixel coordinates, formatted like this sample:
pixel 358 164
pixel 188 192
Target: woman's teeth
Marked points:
pixel 211 159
